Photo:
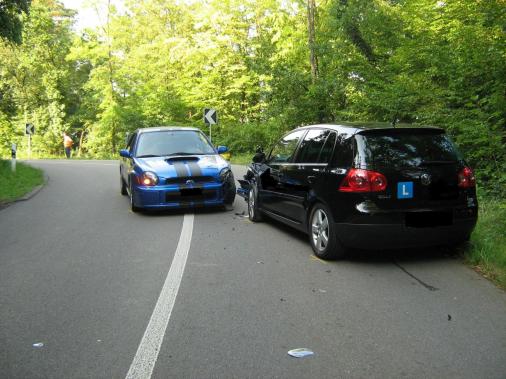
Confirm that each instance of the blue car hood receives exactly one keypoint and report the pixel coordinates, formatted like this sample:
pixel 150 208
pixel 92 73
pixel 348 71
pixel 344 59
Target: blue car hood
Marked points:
pixel 183 166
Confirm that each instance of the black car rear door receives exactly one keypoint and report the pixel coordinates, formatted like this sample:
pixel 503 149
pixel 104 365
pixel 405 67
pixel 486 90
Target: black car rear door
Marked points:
pixel 309 170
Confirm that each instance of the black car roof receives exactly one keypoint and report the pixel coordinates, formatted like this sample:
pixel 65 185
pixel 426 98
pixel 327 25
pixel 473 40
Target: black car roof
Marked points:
pixel 358 127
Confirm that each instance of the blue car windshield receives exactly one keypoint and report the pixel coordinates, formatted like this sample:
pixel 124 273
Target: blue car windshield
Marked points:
pixel 173 142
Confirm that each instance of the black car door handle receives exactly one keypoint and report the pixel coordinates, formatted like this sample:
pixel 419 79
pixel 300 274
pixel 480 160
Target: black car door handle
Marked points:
pixel 311 179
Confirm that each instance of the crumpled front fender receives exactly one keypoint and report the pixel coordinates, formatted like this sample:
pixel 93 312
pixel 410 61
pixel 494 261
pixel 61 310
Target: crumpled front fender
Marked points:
pixel 253 175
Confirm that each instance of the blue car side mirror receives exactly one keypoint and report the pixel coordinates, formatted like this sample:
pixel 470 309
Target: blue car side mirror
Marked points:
pixel 222 149
pixel 125 153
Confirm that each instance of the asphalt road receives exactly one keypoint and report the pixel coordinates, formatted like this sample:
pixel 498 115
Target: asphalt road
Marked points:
pixel 82 275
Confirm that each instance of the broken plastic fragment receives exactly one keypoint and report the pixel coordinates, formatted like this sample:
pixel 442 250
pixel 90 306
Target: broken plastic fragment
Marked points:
pixel 38 344
pixel 300 353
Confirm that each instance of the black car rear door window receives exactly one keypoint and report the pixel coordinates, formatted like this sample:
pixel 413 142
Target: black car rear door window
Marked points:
pixel 344 152
pixel 284 150
pixel 328 148
pixel 311 146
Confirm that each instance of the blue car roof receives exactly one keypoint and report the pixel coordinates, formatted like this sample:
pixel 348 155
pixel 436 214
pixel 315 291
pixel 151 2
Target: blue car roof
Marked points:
pixel 171 128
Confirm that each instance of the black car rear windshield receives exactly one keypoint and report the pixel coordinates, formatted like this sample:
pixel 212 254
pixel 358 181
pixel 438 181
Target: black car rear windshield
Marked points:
pixel 405 148
pixel 173 142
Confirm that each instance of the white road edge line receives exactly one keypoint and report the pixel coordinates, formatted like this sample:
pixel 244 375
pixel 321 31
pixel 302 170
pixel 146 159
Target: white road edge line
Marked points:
pixel 147 353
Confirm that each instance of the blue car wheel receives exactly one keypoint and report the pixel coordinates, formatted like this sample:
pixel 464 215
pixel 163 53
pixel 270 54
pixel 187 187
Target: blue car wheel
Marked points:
pixel 124 190
pixel 133 207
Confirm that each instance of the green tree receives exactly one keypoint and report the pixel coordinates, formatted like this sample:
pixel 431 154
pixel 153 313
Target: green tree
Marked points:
pixel 11 24
pixel 36 74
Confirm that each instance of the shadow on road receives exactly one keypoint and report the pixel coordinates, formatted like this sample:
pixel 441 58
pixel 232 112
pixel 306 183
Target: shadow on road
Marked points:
pixel 181 212
pixel 379 256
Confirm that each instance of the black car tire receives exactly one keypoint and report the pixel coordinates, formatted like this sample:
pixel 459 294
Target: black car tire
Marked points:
pixel 124 190
pixel 322 234
pixel 133 207
pixel 254 213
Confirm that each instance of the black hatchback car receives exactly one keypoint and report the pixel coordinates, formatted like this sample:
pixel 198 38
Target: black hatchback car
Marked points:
pixel 365 187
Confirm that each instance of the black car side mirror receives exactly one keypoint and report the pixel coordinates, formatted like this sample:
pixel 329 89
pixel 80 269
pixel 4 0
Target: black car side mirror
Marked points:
pixel 259 157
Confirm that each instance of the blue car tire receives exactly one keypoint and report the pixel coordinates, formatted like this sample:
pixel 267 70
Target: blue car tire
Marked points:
pixel 133 207
pixel 124 190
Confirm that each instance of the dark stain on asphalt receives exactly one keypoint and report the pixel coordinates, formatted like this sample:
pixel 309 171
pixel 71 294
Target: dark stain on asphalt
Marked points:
pixel 429 287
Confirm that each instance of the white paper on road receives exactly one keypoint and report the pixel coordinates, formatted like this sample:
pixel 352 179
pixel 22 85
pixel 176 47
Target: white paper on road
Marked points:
pixel 300 353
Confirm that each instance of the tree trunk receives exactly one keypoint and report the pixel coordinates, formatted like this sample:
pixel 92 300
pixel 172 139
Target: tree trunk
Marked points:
pixel 80 147
pixel 313 58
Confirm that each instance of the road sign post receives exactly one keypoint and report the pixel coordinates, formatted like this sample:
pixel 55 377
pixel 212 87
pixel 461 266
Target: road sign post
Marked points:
pixel 210 118
pixel 14 149
pixel 29 130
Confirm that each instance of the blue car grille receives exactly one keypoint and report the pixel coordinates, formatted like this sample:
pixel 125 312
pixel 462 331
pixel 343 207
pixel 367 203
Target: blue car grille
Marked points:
pixel 196 179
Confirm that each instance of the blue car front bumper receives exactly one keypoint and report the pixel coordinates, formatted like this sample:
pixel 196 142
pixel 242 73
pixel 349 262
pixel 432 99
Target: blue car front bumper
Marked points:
pixel 173 196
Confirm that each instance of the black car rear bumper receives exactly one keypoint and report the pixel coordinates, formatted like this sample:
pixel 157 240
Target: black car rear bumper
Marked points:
pixel 393 236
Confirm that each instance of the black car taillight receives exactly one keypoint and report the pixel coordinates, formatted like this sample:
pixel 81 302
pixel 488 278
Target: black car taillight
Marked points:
pixel 358 180
pixel 467 178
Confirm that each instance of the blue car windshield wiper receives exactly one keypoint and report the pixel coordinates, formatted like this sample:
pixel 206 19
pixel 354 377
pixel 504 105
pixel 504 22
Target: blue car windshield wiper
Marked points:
pixel 182 153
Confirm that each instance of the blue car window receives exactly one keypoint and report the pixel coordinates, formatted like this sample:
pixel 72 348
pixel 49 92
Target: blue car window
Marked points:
pixel 173 142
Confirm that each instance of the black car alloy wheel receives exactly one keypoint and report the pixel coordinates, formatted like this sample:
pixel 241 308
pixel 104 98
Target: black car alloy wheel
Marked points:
pixel 253 211
pixel 322 234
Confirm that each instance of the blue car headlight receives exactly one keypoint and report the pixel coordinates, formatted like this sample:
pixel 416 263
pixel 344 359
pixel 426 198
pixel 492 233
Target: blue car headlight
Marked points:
pixel 225 174
pixel 148 179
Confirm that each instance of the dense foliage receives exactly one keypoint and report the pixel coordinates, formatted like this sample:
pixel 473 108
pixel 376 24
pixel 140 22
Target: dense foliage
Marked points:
pixel 10 19
pixel 266 66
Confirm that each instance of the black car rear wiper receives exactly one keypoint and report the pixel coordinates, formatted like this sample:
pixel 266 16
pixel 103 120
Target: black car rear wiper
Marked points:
pixel 435 163
pixel 147 156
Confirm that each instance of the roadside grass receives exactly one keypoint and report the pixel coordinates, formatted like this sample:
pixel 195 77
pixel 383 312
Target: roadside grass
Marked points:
pixel 487 250
pixel 16 184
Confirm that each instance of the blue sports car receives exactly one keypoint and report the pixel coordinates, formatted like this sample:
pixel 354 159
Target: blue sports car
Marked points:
pixel 174 167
